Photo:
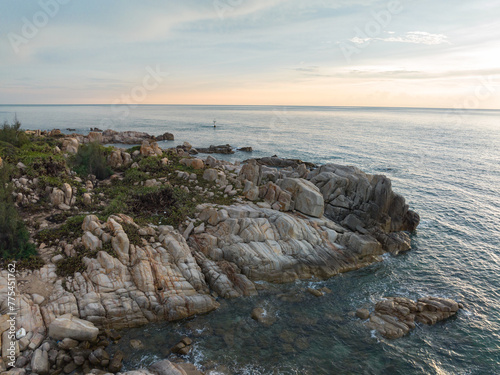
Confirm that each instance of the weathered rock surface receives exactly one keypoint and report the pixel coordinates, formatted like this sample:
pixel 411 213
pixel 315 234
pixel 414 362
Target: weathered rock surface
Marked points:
pixel 194 163
pixel 221 149
pixel 394 317
pixel 366 204
pixel 69 326
pixel 119 158
pixel 150 148
pixel 306 196
pixel 252 243
pixel 144 283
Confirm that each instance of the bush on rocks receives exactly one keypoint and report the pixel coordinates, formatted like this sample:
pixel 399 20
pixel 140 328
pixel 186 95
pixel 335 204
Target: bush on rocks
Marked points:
pixel 92 159
pixel 14 237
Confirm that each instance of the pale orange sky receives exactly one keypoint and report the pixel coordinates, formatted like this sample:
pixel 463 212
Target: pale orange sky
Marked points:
pixel 279 52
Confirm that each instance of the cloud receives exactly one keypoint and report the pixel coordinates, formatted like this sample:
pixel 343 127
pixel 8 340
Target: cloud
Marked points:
pixel 414 37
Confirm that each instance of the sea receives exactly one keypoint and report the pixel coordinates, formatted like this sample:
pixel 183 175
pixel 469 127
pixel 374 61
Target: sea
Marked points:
pixel 446 163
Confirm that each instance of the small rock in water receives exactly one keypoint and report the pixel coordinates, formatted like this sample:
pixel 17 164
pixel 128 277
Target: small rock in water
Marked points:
pixel 362 314
pixel 261 315
pixel 136 344
pixel 315 292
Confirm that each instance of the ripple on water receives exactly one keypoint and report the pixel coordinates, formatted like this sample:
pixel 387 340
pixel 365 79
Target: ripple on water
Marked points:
pixel 448 173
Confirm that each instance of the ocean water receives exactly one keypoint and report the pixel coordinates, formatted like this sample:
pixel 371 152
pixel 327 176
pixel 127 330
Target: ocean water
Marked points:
pixel 446 165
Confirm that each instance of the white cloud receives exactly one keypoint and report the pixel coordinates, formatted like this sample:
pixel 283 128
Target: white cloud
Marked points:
pixel 414 37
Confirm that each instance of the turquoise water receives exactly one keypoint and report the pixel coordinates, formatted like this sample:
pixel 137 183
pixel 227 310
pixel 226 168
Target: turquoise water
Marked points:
pixel 447 167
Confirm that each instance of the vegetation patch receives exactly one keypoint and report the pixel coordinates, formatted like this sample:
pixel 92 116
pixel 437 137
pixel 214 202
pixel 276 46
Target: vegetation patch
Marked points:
pixel 91 159
pixel 14 237
pixel 70 265
pixel 69 231
pixel 133 234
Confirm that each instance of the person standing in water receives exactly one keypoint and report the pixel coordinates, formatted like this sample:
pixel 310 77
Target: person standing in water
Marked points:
pixel 214 124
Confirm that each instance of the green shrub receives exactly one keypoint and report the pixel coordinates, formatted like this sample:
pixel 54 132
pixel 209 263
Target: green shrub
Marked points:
pixel 11 134
pixel 133 175
pixel 14 237
pixel 91 159
pixel 69 231
pixel 132 149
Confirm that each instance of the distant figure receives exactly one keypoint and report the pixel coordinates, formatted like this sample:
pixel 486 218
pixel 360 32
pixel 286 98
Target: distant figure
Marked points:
pixel 214 124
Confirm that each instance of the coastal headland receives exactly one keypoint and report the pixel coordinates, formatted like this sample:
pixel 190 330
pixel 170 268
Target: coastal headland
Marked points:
pixel 129 236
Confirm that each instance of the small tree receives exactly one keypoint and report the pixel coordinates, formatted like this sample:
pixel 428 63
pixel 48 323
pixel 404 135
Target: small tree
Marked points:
pixel 91 159
pixel 11 134
pixel 14 237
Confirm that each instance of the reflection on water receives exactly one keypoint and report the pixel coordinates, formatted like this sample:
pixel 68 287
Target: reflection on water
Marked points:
pixel 447 172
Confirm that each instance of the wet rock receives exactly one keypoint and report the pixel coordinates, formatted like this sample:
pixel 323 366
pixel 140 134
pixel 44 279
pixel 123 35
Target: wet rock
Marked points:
pixel 166 367
pixel 221 149
pixel 315 292
pixel 136 344
pixel 394 317
pixel 116 363
pixel 362 314
pixel 262 316
pixel 165 137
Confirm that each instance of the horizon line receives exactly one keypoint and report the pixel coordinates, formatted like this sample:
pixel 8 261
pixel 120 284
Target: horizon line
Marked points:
pixel 255 105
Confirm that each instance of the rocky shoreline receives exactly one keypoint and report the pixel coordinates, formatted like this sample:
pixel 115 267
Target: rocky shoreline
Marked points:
pixel 268 219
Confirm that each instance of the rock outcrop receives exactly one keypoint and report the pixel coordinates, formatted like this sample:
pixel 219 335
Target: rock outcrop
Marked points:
pixel 246 242
pixel 394 317
pixel 150 149
pixel 68 326
pixel 366 204
pixel 119 158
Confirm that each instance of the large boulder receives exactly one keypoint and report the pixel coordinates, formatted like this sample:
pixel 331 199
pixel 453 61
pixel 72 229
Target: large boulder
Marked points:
pixel 69 326
pixel 70 145
pixel 150 149
pixel 210 174
pixel 306 196
pixel 117 158
pixel 194 163
pixel 40 362
pixel 57 197
pixel 166 367
pixel 95 137
pixel 251 172
pixel 165 137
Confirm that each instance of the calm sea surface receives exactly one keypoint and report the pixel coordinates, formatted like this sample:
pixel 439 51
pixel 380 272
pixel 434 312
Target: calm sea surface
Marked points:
pixel 446 164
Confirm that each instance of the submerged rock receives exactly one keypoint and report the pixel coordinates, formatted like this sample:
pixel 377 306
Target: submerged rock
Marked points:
pixel 394 317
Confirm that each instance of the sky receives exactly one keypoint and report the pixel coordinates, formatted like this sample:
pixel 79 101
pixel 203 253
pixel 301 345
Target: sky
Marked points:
pixel 407 53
